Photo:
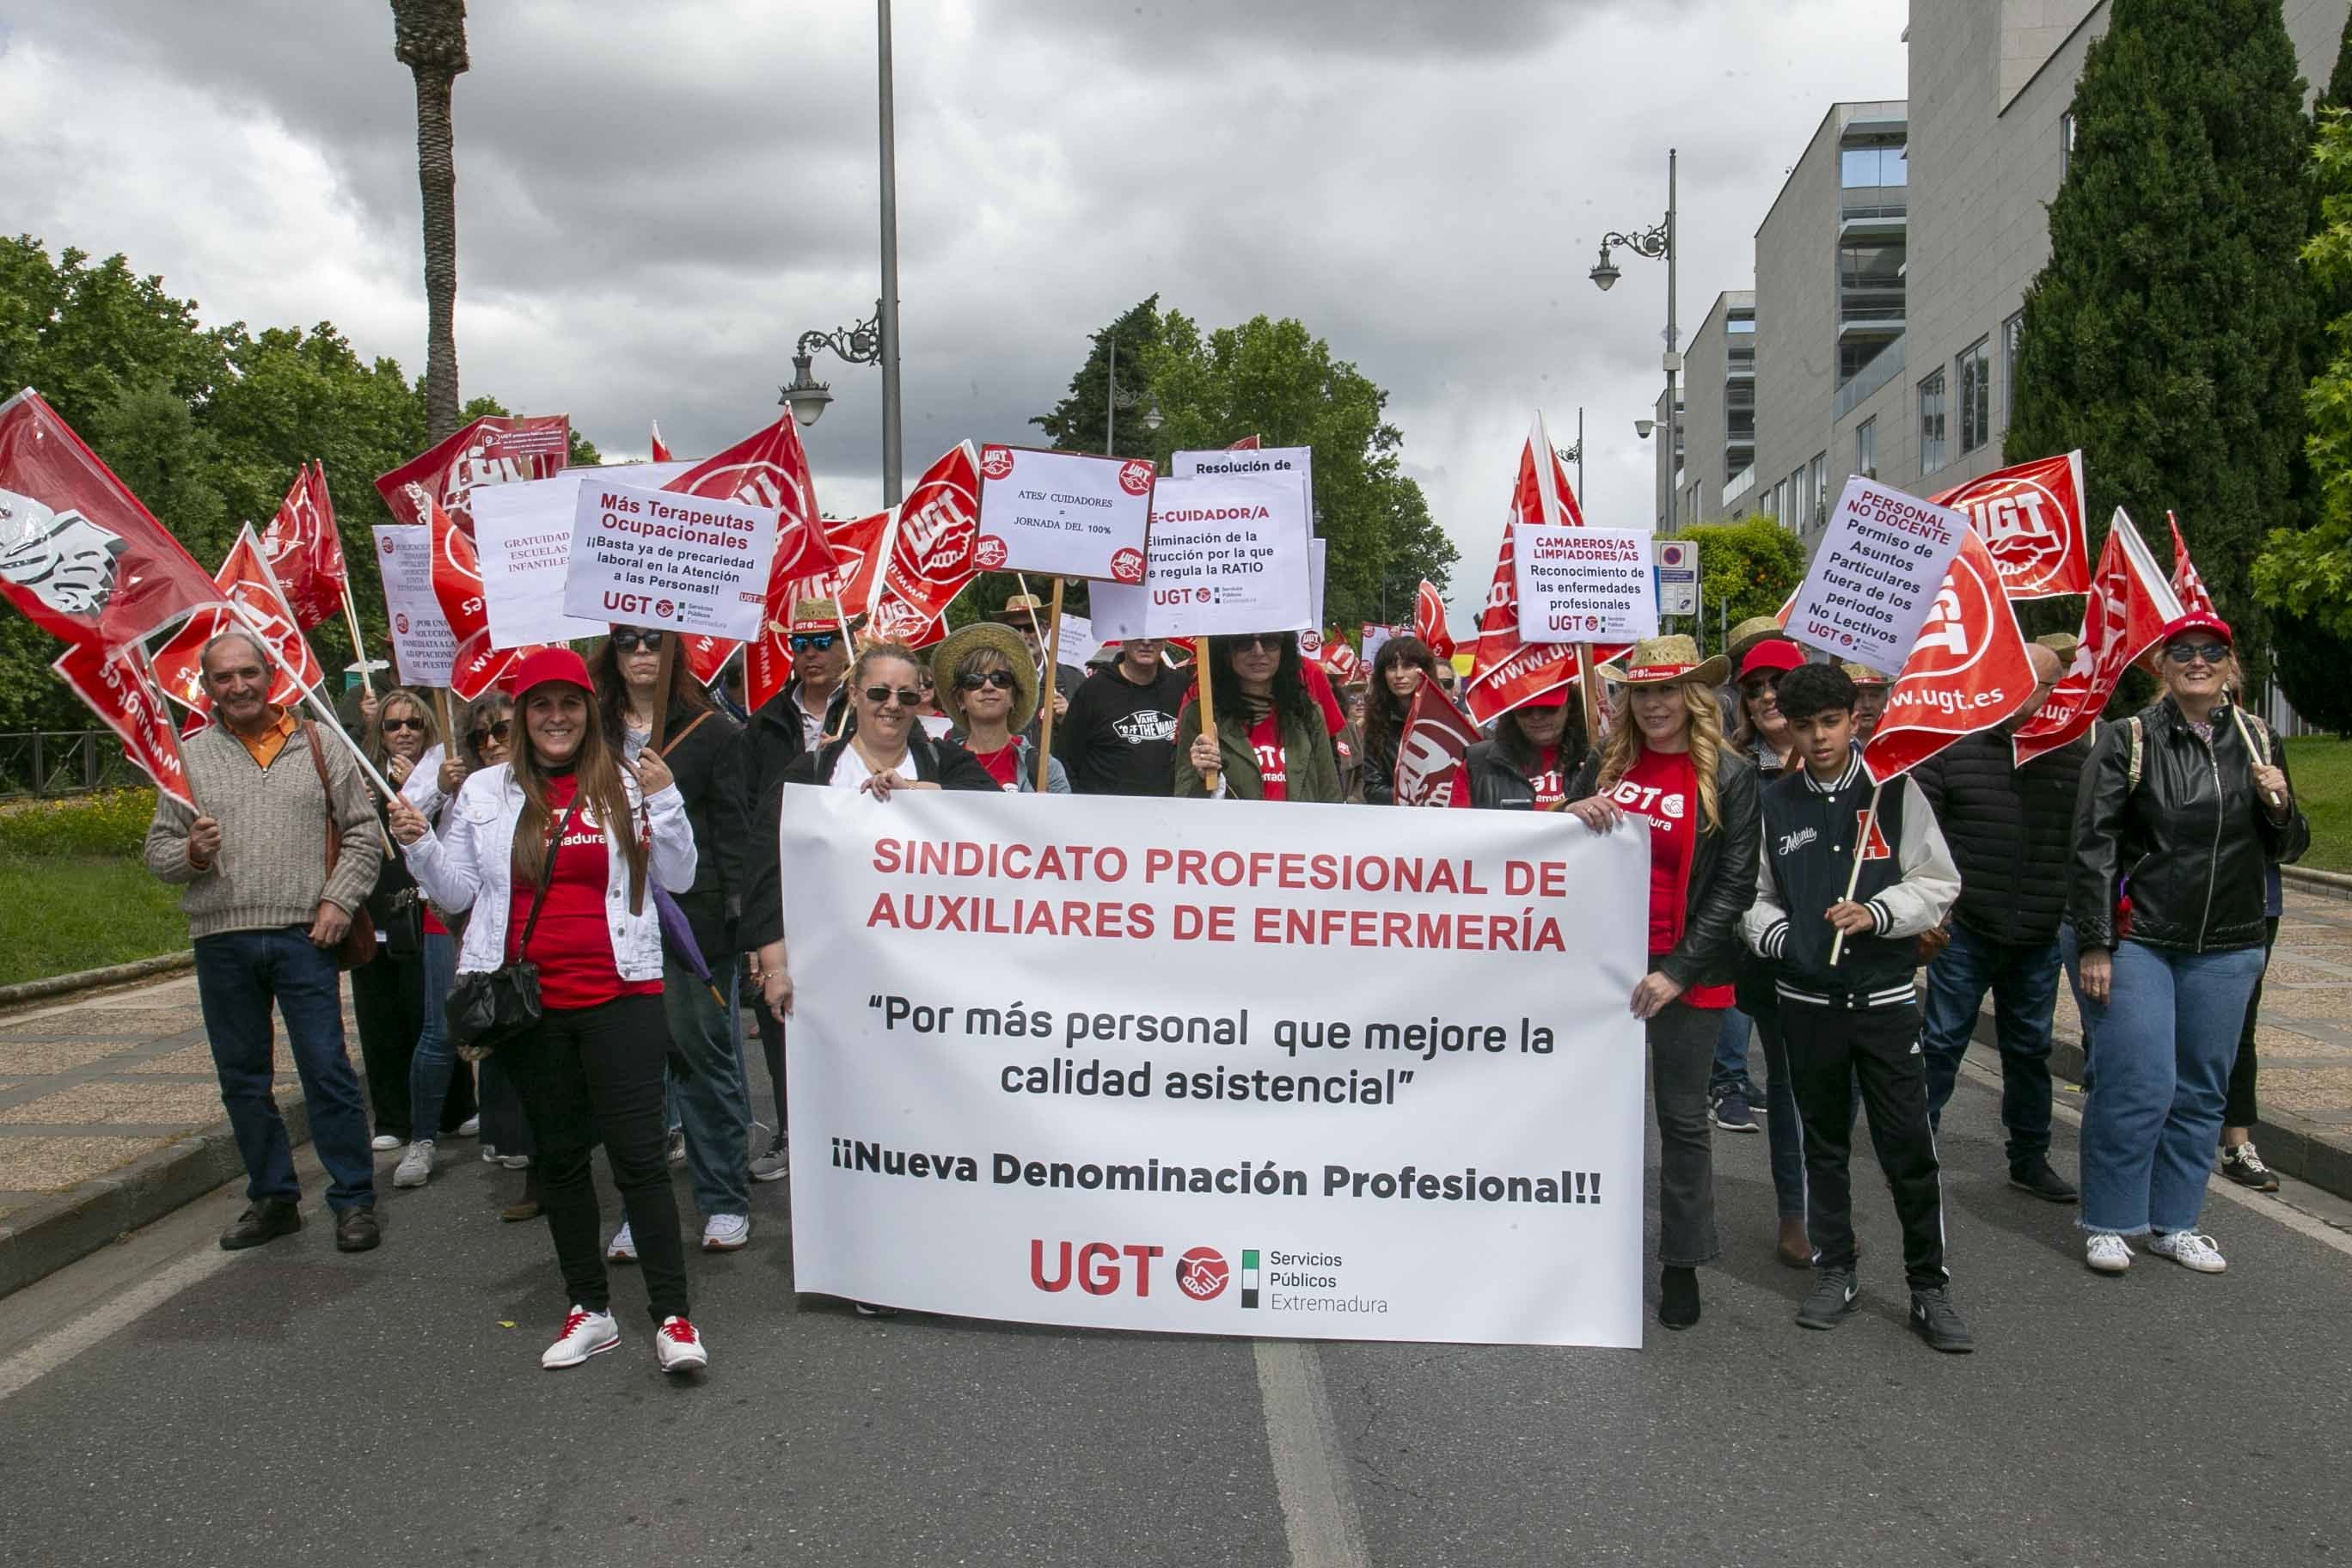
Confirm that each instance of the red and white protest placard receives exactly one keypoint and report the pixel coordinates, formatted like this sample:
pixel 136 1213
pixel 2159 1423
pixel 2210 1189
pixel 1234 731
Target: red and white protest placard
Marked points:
pixel 1968 671
pixel 1063 514
pixel 652 558
pixel 1874 579
pixel 1506 670
pixel 1229 556
pixel 2029 516
pixel 1584 584
pixel 424 646
pixel 493 450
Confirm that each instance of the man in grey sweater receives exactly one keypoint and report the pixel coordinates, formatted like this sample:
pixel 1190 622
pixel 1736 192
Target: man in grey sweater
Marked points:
pixel 266 912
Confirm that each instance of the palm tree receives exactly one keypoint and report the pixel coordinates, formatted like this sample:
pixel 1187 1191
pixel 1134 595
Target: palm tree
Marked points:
pixel 429 38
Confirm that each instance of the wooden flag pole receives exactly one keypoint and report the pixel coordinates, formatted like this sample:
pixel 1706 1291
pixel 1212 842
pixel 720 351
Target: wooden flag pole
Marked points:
pixel 661 686
pixel 448 721
pixel 334 726
pixel 1045 689
pixel 2257 752
pixel 1587 677
pixel 359 644
pixel 1208 698
pixel 1854 877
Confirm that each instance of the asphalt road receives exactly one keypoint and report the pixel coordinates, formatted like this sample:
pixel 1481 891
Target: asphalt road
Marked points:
pixel 165 1403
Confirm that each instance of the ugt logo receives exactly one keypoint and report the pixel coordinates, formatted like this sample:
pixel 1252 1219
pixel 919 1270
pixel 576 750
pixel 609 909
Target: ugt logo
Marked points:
pixel 1097 1269
pixel 1202 1274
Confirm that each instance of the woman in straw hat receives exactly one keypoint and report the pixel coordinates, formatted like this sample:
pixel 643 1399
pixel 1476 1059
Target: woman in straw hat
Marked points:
pixel 988 688
pixel 1665 761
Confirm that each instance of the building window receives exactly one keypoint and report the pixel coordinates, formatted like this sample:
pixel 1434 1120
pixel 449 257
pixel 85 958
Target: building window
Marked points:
pixel 1931 421
pixel 1816 485
pixel 1883 164
pixel 2065 144
pixel 1865 447
pixel 1780 501
pixel 2013 338
pixel 1973 371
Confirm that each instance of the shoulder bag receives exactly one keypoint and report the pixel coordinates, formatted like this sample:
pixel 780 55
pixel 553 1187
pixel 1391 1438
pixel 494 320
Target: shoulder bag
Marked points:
pixel 487 1009
pixel 358 945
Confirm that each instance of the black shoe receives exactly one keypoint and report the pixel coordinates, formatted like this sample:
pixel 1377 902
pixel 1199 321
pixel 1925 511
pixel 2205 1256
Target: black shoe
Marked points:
pixel 1677 1297
pixel 355 1231
pixel 1935 1319
pixel 2035 1176
pixel 872 1309
pixel 2244 1166
pixel 264 1220
pixel 1732 1114
pixel 1832 1298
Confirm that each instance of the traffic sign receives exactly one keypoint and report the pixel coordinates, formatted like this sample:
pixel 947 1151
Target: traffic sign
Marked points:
pixel 1677 568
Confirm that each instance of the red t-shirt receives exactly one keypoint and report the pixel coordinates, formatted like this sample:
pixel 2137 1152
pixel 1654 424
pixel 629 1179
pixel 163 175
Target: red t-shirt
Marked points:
pixel 1661 788
pixel 1318 687
pixel 1272 767
pixel 571 944
pixel 1003 764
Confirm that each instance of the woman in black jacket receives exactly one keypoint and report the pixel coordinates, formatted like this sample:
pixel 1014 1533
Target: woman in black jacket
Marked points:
pixel 1665 761
pixel 1397 670
pixel 1531 759
pixel 2179 810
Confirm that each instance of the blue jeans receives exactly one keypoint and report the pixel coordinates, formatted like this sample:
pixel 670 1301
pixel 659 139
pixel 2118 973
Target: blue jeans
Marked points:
pixel 1730 1069
pixel 1783 1131
pixel 2024 985
pixel 435 1059
pixel 2167 1034
pixel 239 974
pixel 712 1105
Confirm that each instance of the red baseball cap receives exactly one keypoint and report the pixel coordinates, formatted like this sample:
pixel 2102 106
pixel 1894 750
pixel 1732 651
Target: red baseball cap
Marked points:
pixel 2196 621
pixel 543 665
pixel 1554 697
pixel 1776 655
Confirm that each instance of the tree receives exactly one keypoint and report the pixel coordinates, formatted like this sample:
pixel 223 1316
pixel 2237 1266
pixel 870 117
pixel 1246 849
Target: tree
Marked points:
pixel 429 38
pixel 1077 422
pixel 2164 335
pixel 2305 575
pixel 1746 569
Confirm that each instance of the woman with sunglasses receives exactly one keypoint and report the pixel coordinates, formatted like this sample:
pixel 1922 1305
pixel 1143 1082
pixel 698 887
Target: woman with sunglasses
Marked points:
pixel 1398 670
pixel 566 826
pixel 2176 799
pixel 1271 742
pixel 699 746
pixel 991 689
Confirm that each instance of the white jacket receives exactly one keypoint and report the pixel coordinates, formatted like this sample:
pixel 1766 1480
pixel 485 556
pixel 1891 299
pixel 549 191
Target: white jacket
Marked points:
pixel 470 865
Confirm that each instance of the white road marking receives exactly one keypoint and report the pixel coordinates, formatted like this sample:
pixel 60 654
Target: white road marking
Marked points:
pixel 60 1345
pixel 1318 1510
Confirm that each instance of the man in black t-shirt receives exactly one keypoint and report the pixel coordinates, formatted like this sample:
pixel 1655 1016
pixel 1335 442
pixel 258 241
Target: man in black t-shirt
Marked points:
pixel 1119 735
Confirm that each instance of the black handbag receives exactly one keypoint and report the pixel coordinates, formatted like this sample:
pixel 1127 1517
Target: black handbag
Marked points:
pixel 489 1008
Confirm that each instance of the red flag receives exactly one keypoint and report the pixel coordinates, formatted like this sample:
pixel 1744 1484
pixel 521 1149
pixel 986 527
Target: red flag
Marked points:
pixel 305 552
pixel 661 448
pixel 492 450
pixel 1430 751
pixel 1429 620
pixel 2030 515
pixel 1967 671
pixel 767 468
pixel 260 604
pixel 78 554
pixel 1504 671
pixel 2128 605
pixel 930 558
pixel 2187 586
pixel 457 578
pixel 121 693
pixel 1246 444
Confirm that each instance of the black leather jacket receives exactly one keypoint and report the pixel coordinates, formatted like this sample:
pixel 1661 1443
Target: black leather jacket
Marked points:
pixel 2187 845
pixel 1497 768
pixel 1722 881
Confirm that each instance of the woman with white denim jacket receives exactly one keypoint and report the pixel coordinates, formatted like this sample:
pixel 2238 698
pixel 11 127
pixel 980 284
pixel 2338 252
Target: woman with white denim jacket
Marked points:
pixel 564 815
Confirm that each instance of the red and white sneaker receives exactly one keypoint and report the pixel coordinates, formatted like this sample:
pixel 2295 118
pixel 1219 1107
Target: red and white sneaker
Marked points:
pixel 679 1347
pixel 585 1333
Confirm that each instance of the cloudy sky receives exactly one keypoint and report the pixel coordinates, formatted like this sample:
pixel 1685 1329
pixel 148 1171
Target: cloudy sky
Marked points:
pixel 655 200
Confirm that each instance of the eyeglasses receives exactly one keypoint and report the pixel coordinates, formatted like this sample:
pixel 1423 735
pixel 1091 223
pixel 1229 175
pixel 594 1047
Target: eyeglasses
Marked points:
pixel 1270 641
pixel 499 731
pixel 403 723
pixel 2184 652
pixel 972 680
pixel 880 696
pixel 630 642
pixel 1760 686
pixel 801 642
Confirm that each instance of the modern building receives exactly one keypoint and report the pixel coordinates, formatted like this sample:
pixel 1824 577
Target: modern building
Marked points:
pixel 1891 271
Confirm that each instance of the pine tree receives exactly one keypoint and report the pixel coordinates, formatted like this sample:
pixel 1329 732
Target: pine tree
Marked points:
pixel 2165 335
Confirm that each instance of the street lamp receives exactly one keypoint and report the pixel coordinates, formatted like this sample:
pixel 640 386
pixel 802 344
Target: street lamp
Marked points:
pixel 1114 400
pixel 1657 243
pixel 1574 453
pixel 1643 427
pixel 861 344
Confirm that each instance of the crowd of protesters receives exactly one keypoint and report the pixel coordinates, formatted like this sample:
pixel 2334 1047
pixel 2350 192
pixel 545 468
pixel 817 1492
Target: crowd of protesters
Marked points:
pixel 602 821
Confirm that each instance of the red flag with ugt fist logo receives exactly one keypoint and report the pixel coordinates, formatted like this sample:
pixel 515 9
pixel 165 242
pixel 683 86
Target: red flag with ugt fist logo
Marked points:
pixel 2031 516
pixel 493 450
pixel 256 603
pixel 1429 619
pixel 1436 737
pixel 768 468
pixel 305 552
pixel 2128 605
pixel 1968 670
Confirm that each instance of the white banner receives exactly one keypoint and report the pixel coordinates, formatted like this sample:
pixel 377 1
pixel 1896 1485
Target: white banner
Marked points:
pixel 1314 612
pixel 524 545
pixel 1228 557
pixel 1276 462
pixel 1083 1061
pixel 1067 514
pixel 1876 575
pixel 1584 584
pixel 423 645
pixel 655 558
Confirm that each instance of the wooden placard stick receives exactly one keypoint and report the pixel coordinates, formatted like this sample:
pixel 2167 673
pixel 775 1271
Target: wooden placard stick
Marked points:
pixel 1208 698
pixel 1045 689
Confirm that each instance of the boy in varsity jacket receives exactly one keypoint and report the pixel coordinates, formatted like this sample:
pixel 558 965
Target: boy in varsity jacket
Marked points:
pixel 1856 1018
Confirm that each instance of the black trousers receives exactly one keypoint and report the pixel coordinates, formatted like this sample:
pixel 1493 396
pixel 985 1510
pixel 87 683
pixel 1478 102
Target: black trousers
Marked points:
pixel 596 1072
pixel 388 1004
pixel 1829 1050
pixel 771 1047
pixel 2239 1109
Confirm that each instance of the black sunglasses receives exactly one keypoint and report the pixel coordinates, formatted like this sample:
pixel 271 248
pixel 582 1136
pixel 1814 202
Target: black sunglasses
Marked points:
pixel 630 642
pixel 973 680
pixel 403 723
pixel 2182 652
pixel 1270 641
pixel 499 731
pixel 800 642
pixel 880 695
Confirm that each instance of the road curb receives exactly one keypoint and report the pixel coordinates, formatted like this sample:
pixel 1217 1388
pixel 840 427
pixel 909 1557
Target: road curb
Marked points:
pixel 2327 884
pixel 55 985
pixel 51 1233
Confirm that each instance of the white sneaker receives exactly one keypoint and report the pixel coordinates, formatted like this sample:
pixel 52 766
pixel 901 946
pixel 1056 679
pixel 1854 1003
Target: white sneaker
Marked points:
pixel 415 1167
pixel 489 1153
pixel 383 1142
pixel 470 1128
pixel 679 1347
pixel 2189 1250
pixel 726 1232
pixel 624 1247
pixel 678 1145
pixel 515 1161
pixel 585 1333
pixel 2106 1252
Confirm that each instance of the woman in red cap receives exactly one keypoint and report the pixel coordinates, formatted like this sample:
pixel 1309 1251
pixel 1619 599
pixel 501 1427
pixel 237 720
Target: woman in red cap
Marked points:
pixel 556 851
pixel 2180 810
pixel 1664 760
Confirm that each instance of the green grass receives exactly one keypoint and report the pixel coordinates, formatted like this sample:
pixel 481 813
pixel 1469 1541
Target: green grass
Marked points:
pixel 2321 766
pixel 63 913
